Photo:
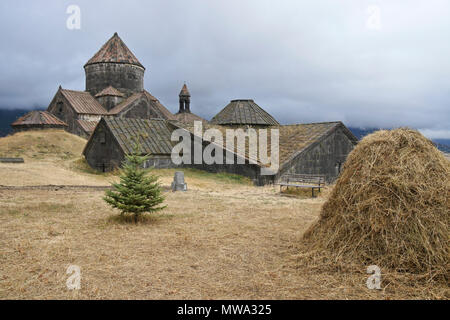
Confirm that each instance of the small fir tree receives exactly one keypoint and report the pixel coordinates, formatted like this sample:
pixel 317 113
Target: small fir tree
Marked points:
pixel 138 192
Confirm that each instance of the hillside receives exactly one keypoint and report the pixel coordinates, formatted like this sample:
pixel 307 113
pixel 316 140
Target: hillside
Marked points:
pixel 51 157
pixel 55 157
pixel 42 145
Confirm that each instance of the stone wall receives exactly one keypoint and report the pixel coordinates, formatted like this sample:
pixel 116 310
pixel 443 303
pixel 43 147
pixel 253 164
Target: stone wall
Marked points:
pixel 139 109
pixel 60 108
pixel 325 157
pixel 126 78
pixel 102 151
pixel 109 102
pixel 21 128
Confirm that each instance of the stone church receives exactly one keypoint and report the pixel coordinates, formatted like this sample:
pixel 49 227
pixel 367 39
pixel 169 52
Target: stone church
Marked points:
pixel 114 87
pixel 115 110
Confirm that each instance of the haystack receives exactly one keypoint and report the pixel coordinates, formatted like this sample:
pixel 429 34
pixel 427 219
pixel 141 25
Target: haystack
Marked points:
pixel 390 207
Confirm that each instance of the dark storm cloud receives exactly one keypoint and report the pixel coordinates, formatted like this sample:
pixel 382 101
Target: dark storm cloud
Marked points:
pixel 303 61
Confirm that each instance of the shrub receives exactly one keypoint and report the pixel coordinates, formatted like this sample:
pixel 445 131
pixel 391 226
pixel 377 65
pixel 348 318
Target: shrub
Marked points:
pixel 137 192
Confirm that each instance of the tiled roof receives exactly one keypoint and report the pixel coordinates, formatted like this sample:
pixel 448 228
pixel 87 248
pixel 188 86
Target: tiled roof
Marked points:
pixel 158 105
pixel 83 102
pixel 188 117
pixel 184 91
pixel 115 51
pixel 110 91
pixel 124 104
pixel 293 139
pixel 153 135
pixel 243 112
pixel 296 138
pixel 38 118
pixel 87 126
pixel 153 103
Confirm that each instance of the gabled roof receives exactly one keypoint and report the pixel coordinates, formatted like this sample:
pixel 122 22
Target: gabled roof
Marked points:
pixel 244 112
pixel 87 126
pixel 153 134
pixel 161 108
pixel 152 101
pixel 124 104
pixel 83 102
pixel 114 51
pixel 293 139
pixel 38 118
pixel 296 138
pixel 110 91
pixel 184 91
pixel 188 117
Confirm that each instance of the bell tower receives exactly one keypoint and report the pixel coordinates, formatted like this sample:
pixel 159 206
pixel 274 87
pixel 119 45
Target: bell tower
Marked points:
pixel 185 100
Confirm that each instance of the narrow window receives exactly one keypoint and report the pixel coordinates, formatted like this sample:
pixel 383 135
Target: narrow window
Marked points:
pixel 59 108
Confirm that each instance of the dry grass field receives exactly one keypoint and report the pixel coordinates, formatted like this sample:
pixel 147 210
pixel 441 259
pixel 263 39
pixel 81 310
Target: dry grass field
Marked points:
pixel 222 239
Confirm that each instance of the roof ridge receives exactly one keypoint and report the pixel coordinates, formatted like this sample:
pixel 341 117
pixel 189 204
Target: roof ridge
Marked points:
pixel 110 91
pixel 300 124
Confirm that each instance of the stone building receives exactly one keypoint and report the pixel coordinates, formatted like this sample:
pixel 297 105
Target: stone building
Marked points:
pixel 116 66
pixel 113 138
pixel 114 87
pixel 316 148
pixel 115 110
pixel 38 120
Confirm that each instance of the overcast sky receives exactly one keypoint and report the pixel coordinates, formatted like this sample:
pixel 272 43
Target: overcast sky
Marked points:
pixel 377 63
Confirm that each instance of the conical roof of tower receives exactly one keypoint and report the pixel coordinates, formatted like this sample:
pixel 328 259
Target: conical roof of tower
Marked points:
pixel 184 91
pixel 244 112
pixel 114 51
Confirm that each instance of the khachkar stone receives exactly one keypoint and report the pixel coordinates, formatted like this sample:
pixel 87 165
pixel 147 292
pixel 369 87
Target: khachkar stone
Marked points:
pixel 178 182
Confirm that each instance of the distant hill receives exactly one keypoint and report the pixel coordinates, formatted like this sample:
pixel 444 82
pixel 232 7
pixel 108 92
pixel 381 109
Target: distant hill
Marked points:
pixel 7 117
pixel 441 144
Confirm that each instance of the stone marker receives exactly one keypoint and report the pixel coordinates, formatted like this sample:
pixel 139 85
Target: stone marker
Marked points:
pixel 178 182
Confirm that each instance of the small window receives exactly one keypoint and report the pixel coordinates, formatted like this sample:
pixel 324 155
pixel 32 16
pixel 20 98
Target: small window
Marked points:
pixel 102 137
pixel 59 107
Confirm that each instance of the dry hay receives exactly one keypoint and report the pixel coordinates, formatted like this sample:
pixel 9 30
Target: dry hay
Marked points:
pixel 390 208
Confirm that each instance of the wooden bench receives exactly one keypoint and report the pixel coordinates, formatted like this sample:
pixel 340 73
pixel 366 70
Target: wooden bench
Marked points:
pixel 302 181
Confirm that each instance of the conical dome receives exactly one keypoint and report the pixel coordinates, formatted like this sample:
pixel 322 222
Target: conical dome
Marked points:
pixel 114 65
pixel 115 51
